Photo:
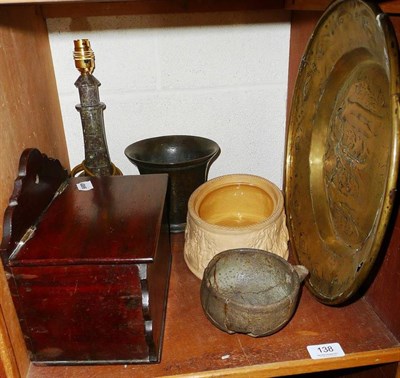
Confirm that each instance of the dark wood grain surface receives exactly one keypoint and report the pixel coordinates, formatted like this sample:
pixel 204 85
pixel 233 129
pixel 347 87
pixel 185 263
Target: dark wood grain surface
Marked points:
pixel 39 177
pixel 90 283
pixel 384 291
pixel 115 221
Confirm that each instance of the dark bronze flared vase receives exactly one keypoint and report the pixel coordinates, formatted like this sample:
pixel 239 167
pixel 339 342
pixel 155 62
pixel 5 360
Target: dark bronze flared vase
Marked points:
pixel 185 158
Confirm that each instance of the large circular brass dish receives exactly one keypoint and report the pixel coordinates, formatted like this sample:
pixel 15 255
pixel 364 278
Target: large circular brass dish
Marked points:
pixel 343 148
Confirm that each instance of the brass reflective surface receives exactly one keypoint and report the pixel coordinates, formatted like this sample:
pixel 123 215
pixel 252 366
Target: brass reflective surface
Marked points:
pixel 84 56
pixel 236 205
pixel 342 148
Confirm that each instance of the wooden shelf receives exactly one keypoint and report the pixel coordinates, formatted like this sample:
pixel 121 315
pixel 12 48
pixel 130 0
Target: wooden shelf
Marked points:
pixel 368 329
pixel 86 9
pixel 193 345
pixel 71 8
pixel 79 8
pixel 390 6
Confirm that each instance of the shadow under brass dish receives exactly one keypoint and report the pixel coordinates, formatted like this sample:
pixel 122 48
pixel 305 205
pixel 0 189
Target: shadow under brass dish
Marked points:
pixel 342 148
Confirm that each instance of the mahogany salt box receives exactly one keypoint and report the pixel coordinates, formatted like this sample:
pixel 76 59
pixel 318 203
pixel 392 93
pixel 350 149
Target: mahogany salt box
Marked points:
pixel 87 260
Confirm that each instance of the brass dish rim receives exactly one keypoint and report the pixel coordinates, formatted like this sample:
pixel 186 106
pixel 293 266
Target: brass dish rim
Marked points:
pixel 386 205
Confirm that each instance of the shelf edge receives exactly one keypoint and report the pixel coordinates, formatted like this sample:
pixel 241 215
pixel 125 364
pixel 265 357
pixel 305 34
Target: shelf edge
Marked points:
pixel 286 368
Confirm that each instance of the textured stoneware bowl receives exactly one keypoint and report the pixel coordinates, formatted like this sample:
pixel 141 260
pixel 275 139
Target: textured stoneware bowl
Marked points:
pixel 250 291
pixel 234 211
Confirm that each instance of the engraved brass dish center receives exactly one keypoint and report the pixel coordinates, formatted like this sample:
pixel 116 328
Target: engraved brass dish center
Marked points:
pixel 347 172
pixel 343 148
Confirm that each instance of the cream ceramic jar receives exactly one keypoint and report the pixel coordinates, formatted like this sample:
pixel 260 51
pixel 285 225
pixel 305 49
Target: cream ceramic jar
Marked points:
pixel 234 211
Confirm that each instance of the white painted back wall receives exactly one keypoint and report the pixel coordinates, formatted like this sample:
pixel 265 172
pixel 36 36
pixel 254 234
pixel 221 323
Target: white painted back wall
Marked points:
pixel 218 75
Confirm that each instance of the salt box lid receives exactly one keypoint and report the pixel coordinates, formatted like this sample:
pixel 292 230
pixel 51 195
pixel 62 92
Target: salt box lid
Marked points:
pixel 55 220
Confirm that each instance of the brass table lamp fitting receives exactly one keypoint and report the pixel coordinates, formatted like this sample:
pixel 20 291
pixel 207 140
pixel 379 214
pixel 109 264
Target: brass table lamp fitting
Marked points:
pixel 97 159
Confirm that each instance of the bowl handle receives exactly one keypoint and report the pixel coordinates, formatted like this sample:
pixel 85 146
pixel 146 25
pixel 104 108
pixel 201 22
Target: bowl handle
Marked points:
pixel 301 271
